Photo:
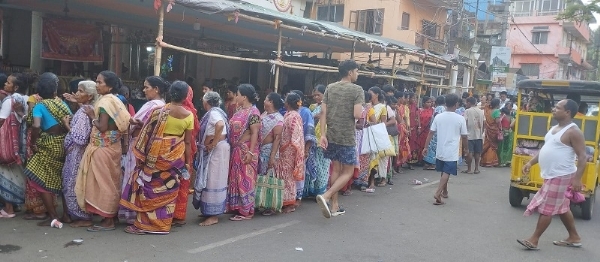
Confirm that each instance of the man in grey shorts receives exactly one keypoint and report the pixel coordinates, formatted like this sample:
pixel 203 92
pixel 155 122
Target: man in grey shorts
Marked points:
pixel 341 106
pixel 474 117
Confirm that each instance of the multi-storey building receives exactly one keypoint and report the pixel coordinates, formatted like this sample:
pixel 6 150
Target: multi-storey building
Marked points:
pixel 544 47
pixel 421 24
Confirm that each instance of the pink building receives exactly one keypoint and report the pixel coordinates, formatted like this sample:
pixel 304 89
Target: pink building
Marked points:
pixel 543 47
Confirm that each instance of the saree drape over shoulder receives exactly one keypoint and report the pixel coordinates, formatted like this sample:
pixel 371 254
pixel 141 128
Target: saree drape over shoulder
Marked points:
pixel 489 156
pixel 210 185
pixel 291 166
pixel 75 143
pixel 154 184
pixel 269 122
pixel 99 178
pixel 308 126
pixel 129 162
pixel 242 177
pixel 317 165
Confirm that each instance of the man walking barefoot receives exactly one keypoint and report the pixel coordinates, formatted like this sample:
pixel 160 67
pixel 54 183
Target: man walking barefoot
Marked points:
pixel 564 144
pixel 450 128
pixel 341 106
pixel 474 117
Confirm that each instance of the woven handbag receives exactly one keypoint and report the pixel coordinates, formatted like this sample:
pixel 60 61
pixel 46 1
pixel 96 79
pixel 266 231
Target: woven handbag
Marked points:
pixel 269 191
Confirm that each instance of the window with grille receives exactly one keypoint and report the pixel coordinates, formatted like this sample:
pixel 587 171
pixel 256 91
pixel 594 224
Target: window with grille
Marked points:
pixel 531 69
pixel 368 21
pixel 333 13
pixel 539 38
pixel 405 21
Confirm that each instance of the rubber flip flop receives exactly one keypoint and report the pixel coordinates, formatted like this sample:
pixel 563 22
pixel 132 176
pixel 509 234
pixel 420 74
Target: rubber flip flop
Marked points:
pixel 239 218
pixel 527 244
pixel 564 243
pixel 4 214
pixel 476 172
pixel 97 228
pixel 324 207
pixel 466 172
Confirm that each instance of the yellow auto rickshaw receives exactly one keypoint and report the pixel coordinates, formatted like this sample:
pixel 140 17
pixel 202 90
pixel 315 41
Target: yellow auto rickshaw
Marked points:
pixel 533 121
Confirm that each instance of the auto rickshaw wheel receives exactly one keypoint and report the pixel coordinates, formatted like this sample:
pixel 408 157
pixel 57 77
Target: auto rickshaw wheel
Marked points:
pixel 587 207
pixel 515 196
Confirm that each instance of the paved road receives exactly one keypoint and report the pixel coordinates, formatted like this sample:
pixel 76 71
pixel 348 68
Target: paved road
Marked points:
pixel 396 223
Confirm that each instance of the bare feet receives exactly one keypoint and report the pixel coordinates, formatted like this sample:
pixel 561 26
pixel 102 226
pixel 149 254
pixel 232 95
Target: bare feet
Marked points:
pixel 82 223
pixel 289 209
pixel 178 222
pixel 210 221
pixel 298 202
pixel 107 223
pixel 66 219
pixel 444 194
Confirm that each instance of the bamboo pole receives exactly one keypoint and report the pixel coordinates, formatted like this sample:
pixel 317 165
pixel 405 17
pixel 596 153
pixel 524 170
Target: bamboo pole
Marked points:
pixel 420 89
pixel 278 59
pixel 158 48
pixel 353 50
pixel 393 68
pixel 182 49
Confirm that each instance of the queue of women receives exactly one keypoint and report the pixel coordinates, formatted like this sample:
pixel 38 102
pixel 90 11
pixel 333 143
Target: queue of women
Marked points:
pixel 139 167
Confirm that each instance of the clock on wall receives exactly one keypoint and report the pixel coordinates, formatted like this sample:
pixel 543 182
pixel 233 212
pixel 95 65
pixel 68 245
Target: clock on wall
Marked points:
pixel 283 5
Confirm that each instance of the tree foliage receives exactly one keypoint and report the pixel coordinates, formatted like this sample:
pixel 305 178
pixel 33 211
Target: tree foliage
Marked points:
pixel 578 12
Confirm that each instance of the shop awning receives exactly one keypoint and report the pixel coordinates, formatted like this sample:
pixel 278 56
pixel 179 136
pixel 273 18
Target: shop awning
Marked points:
pixel 241 24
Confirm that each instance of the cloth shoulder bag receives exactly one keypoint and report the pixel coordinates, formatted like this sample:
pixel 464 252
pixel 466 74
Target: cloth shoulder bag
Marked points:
pixel 375 139
pixel 9 139
pixel 269 191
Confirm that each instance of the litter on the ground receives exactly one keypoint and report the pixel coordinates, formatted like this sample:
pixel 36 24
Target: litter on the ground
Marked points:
pixel 299 249
pixel 417 182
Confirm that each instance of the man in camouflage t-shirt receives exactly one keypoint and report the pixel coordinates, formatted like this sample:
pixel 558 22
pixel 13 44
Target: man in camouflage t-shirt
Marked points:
pixel 342 105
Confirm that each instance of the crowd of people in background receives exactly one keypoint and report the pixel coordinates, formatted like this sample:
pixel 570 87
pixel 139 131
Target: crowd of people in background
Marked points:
pixel 103 158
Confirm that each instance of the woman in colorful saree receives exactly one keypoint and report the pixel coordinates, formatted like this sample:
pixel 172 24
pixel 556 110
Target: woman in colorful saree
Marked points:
pixel 210 185
pixel 403 119
pixel 99 177
pixel 489 155
pixel 315 183
pixel 440 107
pixel 50 125
pixel 75 143
pixel 425 118
pixel 310 146
pixel 12 117
pixel 184 181
pixel 245 142
pixel 270 132
pixel 291 151
pixel 378 165
pixel 505 147
pixel 163 153
pixel 416 153
pixel 155 89
pixel 367 117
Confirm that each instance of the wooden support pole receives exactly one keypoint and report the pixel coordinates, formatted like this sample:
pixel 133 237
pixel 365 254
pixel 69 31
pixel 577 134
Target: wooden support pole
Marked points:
pixel 393 68
pixel 353 50
pixel 422 80
pixel 278 58
pixel 158 48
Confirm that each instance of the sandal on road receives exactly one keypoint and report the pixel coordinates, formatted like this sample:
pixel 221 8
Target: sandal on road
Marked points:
pixel 466 172
pixel 239 218
pixel 565 243
pixel 4 214
pixel 98 228
pixel 527 244
pixel 324 207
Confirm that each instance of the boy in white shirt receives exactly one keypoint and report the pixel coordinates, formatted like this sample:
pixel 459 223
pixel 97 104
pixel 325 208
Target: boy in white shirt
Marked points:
pixel 450 128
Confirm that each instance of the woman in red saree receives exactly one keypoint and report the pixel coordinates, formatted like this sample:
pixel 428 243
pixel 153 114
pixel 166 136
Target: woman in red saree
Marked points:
pixel 413 114
pixel 489 156
pixel 291 151
pixel 245 142
pixel 184 182
pixel 425 116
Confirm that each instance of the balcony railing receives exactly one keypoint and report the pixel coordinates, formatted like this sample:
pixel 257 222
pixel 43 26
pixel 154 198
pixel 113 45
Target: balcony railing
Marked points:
pixel 430 43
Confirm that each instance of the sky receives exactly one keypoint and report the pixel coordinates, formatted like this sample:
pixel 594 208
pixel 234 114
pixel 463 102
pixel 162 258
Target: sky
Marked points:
pixel 597 24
